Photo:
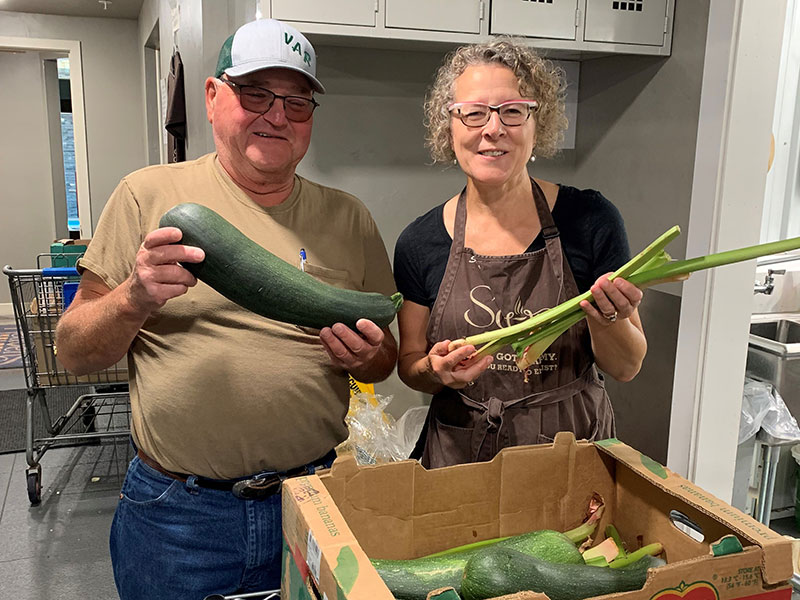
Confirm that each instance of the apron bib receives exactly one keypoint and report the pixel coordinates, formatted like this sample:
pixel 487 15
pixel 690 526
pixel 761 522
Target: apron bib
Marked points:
pixel 564 391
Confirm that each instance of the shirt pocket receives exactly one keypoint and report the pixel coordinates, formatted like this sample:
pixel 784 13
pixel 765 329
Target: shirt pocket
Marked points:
pixel 335 277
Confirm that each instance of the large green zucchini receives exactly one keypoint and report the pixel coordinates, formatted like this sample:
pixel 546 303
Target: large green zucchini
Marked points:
pixel 412 579
pixel 497 571
pixel 256 279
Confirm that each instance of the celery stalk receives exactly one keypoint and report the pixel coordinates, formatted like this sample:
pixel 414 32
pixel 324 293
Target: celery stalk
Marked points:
pixel 649 550
pixel 578 534
pixel 552 314
pixel 684 267
pixel 532 337
pixel 530 349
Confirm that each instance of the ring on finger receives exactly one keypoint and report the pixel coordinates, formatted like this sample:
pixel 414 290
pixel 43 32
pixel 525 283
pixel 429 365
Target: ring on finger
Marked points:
pixel 610 318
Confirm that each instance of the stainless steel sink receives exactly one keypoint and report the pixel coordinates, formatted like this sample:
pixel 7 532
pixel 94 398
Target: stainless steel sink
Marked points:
pixel 773 355
pixel 783 331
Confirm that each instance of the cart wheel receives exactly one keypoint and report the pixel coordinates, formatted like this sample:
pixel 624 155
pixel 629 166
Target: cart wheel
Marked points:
pixel 34 477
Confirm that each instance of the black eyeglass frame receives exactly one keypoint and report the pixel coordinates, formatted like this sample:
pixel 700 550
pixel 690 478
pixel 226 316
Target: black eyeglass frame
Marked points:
pixel 454 108
pixel 238 88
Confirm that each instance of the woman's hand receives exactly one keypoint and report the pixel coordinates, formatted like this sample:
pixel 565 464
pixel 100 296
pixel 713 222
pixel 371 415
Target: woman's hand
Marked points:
pixel 430 370
pixel 614 300
pixel 618 340
pixel 456 369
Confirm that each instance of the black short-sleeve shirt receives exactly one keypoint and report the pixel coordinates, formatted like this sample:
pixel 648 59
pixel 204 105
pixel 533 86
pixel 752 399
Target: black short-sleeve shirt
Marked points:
pixel 591 229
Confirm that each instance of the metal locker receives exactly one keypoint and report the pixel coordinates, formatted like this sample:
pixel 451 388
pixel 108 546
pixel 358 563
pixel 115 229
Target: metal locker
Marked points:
pixel 460 16
pixel 340 12
pixel 535 18
pixel 626 21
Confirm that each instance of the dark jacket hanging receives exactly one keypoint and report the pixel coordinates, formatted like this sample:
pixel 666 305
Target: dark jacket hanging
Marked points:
pixel 176 111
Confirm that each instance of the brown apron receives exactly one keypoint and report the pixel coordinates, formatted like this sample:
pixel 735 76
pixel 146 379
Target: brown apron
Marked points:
pixel 564 391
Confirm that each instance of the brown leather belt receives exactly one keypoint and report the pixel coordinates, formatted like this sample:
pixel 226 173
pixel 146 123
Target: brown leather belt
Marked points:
pixel 256 487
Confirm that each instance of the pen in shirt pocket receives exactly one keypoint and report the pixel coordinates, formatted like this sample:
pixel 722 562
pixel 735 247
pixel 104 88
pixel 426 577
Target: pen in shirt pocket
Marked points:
pixel 303 259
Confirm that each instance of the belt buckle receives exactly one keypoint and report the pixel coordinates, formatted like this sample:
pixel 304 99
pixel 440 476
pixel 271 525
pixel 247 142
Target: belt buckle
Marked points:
pixel 257 488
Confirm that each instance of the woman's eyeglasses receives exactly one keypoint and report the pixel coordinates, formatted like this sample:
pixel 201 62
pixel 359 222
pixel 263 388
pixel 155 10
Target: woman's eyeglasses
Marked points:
pixel 477 114
pixel 260 100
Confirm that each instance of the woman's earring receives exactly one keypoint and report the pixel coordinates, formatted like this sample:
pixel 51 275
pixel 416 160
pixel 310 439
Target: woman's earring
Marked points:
pixel 455 161
pixel 533 158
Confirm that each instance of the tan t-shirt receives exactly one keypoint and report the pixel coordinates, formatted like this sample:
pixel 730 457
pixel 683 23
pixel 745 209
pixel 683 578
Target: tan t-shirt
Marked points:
pixel 216 390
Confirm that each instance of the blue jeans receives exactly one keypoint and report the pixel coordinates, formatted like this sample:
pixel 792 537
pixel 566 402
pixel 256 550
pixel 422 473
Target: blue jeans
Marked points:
pixel 175 540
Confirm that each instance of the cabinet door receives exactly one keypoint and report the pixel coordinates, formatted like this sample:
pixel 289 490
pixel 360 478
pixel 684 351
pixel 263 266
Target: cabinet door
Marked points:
pixel 339 12
pixel 626 21
pixel 462 16
pixel 535 18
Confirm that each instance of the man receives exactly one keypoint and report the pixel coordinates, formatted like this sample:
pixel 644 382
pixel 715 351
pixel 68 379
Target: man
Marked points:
pixel 221 398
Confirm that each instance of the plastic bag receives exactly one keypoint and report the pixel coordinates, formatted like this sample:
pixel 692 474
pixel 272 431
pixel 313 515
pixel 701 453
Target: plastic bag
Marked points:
pixel 409 427
pixel 779 426
pixel 756 401
pixel 763 409
pixel 375 436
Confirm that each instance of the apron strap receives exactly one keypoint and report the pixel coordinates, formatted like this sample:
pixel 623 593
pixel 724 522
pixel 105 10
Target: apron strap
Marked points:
pixel 490 430
pixel 551 236
pixel 451 270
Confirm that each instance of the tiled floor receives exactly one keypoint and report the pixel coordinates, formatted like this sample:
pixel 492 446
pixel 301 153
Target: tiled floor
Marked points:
pixel 59 549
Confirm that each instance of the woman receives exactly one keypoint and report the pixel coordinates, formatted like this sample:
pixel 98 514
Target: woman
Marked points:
pixel 505 248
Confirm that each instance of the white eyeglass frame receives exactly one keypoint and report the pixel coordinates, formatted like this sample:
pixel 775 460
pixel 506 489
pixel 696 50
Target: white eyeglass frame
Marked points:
pixel 533 106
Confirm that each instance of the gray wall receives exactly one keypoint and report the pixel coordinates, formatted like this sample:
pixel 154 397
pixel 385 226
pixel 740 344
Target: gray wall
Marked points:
pixel 26 193
pixel 112 93
pixel 637 130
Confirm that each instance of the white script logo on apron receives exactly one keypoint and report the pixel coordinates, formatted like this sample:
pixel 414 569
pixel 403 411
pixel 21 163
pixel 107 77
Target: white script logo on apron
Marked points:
pixel 482 316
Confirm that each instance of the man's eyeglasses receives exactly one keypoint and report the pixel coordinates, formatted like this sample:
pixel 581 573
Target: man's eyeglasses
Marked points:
pixel 477 114
pixel 260 100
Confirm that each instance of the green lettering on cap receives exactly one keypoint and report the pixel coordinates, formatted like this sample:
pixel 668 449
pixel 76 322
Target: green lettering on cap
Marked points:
pixel 287 38
pixel 297 48
pixel 307 58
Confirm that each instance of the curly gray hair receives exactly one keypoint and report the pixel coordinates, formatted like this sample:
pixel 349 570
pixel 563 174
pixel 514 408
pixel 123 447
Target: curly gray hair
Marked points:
pixel 538 79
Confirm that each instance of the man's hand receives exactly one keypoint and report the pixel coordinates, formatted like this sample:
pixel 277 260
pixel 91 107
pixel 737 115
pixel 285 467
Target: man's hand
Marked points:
pixel 349 350
pixel 157 276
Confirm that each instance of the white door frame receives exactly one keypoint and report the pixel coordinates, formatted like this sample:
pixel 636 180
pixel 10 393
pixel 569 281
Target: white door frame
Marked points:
pixel 73 49
pixel 737 102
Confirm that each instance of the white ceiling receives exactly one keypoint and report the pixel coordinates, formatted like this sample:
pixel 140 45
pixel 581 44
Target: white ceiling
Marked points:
pixel 117 9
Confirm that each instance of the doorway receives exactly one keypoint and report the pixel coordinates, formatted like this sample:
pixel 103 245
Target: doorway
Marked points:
pixel 43 55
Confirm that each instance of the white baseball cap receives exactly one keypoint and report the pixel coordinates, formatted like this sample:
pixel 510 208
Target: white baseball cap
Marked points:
pixel 268 44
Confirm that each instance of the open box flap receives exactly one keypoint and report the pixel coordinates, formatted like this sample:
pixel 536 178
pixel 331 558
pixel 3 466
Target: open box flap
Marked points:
pixel 776 563
pixel 323 545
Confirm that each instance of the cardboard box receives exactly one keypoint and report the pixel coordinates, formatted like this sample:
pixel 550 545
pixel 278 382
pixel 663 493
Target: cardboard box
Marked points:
pixel 67 252
pixel 334 521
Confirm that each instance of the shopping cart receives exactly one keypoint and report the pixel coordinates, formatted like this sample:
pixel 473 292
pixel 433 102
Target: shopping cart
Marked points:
pixel 39 297
pixel 267 595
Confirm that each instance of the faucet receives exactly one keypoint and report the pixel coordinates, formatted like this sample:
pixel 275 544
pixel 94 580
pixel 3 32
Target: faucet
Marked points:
pixel 769 282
